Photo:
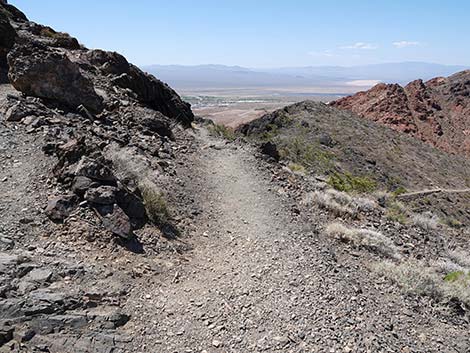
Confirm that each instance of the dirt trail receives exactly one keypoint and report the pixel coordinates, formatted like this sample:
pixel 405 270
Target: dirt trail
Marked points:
pixel 260 279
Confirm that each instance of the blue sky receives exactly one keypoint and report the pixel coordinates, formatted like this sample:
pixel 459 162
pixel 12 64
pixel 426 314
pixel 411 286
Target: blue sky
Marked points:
pixel 262 33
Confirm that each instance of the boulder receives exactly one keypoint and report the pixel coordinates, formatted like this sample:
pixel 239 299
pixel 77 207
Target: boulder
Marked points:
pixel 116 221
pixel 6 333
pixel 108 62
pixel 94 169
pixel 39 71
pixel 102 195
pixel 155 94
pixel 81 184
pixel 60 207
pixel 270 149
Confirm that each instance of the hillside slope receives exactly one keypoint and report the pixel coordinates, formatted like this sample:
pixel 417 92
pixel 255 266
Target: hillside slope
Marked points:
pixel 88 145
pixel 436 111
pixel 347 149
pixel 340 140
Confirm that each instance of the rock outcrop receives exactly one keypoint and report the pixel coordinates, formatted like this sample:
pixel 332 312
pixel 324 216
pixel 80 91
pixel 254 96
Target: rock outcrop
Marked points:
pixel 7 40
pixel 97 131
pixel 42 72
pixel 436 111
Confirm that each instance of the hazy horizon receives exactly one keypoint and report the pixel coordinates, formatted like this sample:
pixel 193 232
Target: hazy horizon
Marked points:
pixel 265 34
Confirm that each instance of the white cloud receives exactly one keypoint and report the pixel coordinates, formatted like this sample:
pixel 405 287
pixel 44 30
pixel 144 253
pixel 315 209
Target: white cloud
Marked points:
pixel 405 44
pixel 360 45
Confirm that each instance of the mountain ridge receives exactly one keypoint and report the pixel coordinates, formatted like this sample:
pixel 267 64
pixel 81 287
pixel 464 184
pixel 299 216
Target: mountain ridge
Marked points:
pixel 436 111
pixel 213 75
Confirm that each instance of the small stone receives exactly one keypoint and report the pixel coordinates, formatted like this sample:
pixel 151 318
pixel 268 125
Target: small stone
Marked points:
pixel 216 343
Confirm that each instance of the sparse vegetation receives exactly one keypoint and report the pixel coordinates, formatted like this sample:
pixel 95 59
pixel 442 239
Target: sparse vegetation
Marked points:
pixel 223 131
pixel 298 150
pixel 155 204
pixel 349 183
pixel 369 239
pixel 394 185
pixel 435 280
pixel 396 211
pixel 453 223
pixel 425 221
pixel 399 191
pixel 339 203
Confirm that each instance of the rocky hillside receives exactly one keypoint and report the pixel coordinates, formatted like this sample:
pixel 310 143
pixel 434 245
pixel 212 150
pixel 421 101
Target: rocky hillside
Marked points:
pixel 359 155
pixel 89 144
pixel 436 111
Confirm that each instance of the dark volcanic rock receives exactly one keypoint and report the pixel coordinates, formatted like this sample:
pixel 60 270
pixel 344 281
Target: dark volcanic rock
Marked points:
pixel 108 62
pixel 116 221
pixel 103 195
pixel 12 12
pixel 156 94
pixel 7 40
pixel 60 207
pixel 270 149
pixel 81 184
pixel 42 72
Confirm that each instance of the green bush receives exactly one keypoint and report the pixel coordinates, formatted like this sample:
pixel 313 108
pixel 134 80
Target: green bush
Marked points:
pixel 308 155
pixel 347 182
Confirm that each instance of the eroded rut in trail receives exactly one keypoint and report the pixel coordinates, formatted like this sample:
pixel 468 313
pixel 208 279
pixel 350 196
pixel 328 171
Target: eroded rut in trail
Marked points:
pixel 261 279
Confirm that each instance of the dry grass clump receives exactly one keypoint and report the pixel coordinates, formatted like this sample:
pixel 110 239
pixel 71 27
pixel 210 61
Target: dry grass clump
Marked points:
pixel 397 211
pixel 369 239
pixel 425 221
pixel 155 204
pixel 297 168
pixel 339 203
pixel 443 280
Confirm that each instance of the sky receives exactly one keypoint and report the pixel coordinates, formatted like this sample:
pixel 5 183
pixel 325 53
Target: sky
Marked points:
pixel 262 33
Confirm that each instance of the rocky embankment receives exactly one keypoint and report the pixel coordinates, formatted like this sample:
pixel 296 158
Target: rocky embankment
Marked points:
pixel 90 141
pixel 436 111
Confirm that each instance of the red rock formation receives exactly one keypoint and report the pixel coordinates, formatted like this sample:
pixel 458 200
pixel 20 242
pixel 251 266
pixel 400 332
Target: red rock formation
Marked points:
pixel 436 111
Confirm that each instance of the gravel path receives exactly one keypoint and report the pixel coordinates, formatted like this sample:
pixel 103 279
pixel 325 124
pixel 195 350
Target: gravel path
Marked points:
pixel 261 279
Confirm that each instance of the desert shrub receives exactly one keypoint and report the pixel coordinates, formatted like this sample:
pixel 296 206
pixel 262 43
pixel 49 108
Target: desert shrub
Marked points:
pixel 298 150
pixel 326 201
pixel 425 221
pixel 396 211
pixel 339 203
pixel 223 131
pixel 155 204
pixel 416 277
pixel 297 168
pixel 369 239
pixel 394 185
pixel 399 191
pixel 349 183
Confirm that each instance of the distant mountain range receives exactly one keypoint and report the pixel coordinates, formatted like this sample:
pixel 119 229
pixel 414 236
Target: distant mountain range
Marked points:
pixel 220 76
